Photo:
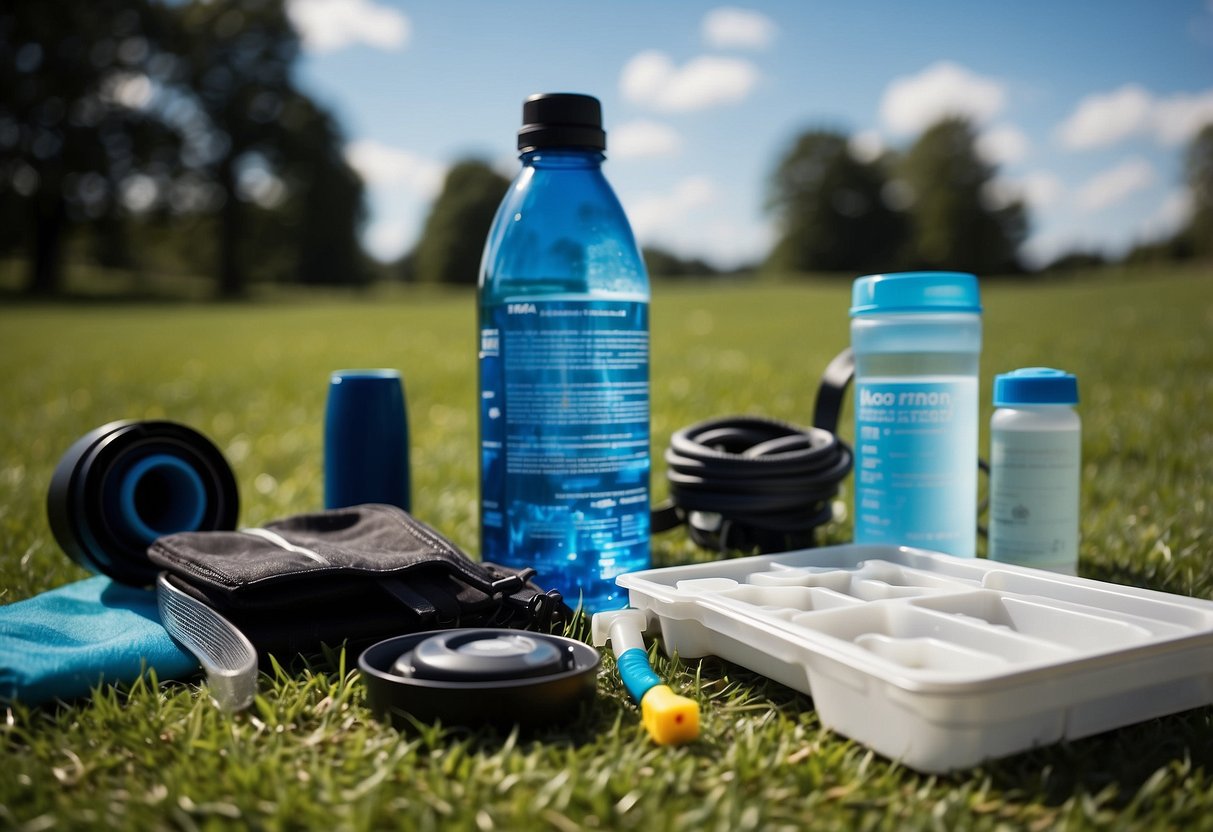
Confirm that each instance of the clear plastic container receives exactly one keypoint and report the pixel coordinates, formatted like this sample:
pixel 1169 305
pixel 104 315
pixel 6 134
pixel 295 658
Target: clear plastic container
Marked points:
pixel 1035 469
pixel 917 343
pixel 564 366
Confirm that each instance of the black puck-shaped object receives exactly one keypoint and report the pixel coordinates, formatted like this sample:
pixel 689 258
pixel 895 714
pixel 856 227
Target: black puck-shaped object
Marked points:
pixel 472 676
pixel 123 485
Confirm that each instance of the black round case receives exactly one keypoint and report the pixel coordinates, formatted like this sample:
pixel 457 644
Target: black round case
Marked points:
pixel 464 677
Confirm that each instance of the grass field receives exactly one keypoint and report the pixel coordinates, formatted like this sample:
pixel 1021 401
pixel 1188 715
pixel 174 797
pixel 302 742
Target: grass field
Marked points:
pixel 253 377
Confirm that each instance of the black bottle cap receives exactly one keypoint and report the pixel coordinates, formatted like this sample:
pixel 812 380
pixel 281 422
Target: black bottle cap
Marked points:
pixel 561 119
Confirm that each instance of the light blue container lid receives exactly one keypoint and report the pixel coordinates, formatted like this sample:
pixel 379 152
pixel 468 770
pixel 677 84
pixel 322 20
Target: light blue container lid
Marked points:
pixel 1035 385
pixel 879 294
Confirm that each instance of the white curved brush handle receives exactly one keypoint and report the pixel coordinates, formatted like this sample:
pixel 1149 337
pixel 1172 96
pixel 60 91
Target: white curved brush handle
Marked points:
pixel 227 656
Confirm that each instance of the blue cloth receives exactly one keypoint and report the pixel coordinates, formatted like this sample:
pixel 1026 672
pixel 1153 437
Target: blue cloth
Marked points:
pixel 61 643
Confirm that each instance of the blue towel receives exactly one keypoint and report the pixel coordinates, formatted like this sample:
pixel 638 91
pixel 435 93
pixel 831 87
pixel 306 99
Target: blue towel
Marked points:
pixel 61 643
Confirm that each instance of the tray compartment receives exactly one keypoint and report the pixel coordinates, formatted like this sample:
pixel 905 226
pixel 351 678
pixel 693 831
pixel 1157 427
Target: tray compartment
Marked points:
pixel 1068 626
pixel 838 580
pixel 930 654
pixel 785 601
pixel 1153 606
pixel 870 580
pixel 923 639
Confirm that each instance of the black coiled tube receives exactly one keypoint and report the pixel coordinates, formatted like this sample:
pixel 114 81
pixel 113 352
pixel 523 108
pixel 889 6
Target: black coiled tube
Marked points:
pixel 746 483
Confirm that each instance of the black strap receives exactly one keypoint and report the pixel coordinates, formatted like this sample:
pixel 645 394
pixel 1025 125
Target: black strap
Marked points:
pixel 833 390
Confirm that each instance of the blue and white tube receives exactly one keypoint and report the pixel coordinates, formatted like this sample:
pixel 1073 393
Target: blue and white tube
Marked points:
pixel 669 718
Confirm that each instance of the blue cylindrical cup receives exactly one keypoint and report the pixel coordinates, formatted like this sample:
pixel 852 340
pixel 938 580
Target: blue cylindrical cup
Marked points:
pixel 366 440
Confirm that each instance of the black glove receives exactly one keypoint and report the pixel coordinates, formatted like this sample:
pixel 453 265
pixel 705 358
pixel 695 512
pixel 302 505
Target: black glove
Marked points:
pixel 350 575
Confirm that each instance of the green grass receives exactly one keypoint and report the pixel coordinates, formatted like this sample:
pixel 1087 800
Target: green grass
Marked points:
pixel 253 377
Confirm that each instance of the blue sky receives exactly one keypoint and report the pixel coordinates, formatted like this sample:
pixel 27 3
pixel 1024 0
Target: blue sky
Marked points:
pixel 1085 106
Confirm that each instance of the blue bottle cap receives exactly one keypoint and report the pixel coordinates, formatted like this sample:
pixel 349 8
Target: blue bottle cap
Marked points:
pixel 1035 385
pixel 915 292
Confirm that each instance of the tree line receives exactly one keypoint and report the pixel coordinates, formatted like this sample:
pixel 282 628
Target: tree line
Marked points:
pixel 937 205
pixel 930 208
pixel 150 136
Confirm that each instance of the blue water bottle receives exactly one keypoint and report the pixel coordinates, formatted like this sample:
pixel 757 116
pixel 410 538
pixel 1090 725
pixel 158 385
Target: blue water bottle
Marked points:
pixel 917 343
pixel 564 365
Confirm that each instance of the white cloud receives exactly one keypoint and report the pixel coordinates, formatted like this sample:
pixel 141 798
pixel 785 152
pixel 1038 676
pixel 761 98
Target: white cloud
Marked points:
pixel 1041 249
pixel 728 242
pixel 692 219
pixel 381 164
pixel 1042 189
pixel 866 145
pixel 1004 144
pixel 1180 117
pixel 386 240
pixel 912 103
pixel 999 193
pixel 636 139
pixel 506 164
pixel 1115 184
pixel 1106 118
pixel 1038 189
pixel 1103 119
pixel 652 80
pixel 1111 236
pixel 654 213
pixel 1171 215
pixel 329 25
pixel 730 27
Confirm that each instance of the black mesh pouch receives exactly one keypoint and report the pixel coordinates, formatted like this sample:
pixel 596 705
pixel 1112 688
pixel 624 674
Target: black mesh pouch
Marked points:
pixel 349 575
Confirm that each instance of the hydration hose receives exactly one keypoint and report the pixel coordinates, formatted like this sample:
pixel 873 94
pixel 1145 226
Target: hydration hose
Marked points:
pixel 670 719
pixel 749 483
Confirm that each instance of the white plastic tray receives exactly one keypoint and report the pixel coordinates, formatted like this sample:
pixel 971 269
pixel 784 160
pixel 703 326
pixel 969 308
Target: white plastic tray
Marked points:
pixel 936 661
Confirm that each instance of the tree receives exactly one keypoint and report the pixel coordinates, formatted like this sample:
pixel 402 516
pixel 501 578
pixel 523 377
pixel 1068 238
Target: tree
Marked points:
pixel 326 203
pixel 75 133
pixel 236 58
pixel 1199 170
pixel 1168 249
pixel 1077 260
pixel 953 226
pixel 273 153
pixel 829 209
pixel 458 223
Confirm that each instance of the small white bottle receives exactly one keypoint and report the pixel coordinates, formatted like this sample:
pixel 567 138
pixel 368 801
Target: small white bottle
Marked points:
pixel 1035 466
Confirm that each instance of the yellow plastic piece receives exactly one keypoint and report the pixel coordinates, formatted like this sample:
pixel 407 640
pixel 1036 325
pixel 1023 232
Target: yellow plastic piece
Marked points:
pixel 669 718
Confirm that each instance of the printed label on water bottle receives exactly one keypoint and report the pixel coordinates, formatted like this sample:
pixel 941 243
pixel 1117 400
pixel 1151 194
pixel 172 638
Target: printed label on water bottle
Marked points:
pixel 916 463
pixel 564 392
